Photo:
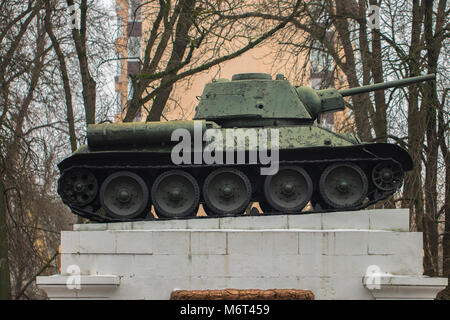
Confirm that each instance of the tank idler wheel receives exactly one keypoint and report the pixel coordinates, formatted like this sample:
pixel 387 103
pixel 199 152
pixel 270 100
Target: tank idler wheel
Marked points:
pixel 226 191
pixel 289 190
pixel 78 187
pixel 387 176
pixel 343 185
pixel 175 194
pixel 124 195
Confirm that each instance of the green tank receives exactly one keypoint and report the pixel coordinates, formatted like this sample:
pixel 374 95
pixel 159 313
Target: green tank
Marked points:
pixel 253 139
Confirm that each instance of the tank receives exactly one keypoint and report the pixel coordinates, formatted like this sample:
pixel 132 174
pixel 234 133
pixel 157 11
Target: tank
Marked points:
pixel 253 139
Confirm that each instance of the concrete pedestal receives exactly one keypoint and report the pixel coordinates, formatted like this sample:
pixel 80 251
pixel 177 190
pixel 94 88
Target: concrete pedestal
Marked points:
pixel 340 255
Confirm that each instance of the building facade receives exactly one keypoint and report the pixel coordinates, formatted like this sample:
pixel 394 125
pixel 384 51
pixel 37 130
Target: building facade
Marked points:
pixel 131 43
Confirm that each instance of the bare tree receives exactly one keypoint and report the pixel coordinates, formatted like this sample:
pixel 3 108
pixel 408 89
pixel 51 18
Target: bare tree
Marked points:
pixel 30 214
pixel 14 27
pixel 201 39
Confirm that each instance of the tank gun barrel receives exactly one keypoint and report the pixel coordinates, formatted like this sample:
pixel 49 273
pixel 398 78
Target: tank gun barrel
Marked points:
pixel 385 85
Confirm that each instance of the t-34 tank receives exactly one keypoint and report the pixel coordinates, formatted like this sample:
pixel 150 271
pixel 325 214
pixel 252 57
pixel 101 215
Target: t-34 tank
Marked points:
pixel 127 168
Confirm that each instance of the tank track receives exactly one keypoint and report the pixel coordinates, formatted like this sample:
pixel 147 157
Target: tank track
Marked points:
pixel 313 167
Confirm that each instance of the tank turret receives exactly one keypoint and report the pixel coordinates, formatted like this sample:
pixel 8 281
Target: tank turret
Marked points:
pixel 254 99
pixel 127 171
pixel 251 99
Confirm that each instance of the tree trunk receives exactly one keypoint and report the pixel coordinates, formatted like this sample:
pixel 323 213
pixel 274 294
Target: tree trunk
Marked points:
pixel 89 85
pixel 64 77
pixel 445 294
pixel 360 101
pixel 5 280
pixel 380 123
pixel 180 44
pixel 412 190
pixel 431 104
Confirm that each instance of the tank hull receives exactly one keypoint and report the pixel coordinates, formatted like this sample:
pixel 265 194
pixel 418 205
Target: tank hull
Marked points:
pixel 150 163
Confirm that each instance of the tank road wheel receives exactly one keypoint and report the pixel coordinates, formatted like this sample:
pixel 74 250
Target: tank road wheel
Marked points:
pixel 124 195
pixel 387 176
pixel 226 191
pixel 78 187
pixel 289 190
pixel 343 185
pixel 175 194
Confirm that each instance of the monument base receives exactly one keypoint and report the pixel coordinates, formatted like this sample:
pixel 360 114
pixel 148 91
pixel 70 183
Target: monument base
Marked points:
pixel 367 254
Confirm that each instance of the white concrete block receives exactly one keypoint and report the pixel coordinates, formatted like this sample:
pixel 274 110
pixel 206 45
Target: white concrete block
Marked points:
pixel 339 266
pixel 305 221
pixel 168 266
pixel 137 287
pixel 320 286
pixel 70 242
pixel 285 265
pixel 349 289
pixel 357 265
pixel 263 283
pixel 120 226
pixel 202 283
pixel 208 243
pixel 171 242
pixel 311 265
pixel 114 264
pixel 263 243
pixel 249 243
pixel 350 266
pixel 279 243
pixel 345 220
pixel 316 242
pixel 350 243
pixel 342 266
pixel 403 243
pixel 241 265
pixel 254 222
pixel 97 242
pixel 330 288
pixel 134 242
pixel 160 225
pixel 210 265
pixel 85 262
pixel 389 219
pixel 203 223
pixel 90 227
pixel 410 264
